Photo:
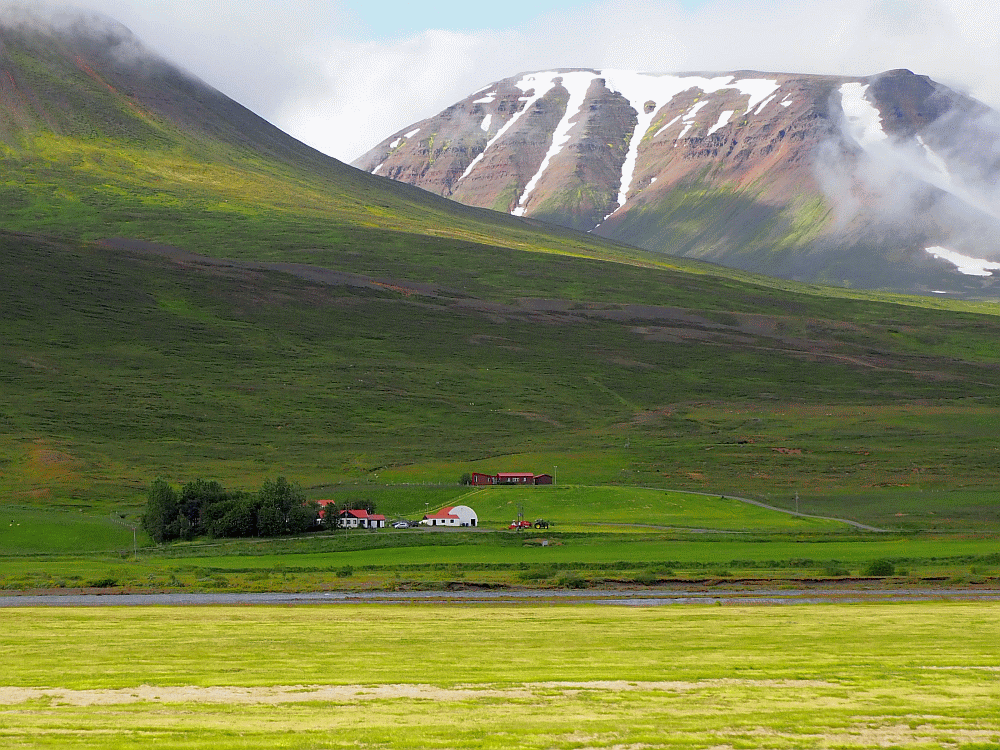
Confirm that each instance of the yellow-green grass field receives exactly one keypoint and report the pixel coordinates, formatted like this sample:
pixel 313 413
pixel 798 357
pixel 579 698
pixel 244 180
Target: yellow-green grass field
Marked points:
pixel 362 676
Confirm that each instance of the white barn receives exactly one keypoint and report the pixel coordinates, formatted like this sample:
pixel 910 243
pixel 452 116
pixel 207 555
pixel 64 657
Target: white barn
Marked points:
pixel 457 515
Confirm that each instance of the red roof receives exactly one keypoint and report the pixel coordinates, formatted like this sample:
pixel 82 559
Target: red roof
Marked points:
pixel 516 474
pixel 443 513
pixel 362 514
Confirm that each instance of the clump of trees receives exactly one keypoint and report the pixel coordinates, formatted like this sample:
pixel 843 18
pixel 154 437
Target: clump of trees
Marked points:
pixel 206 508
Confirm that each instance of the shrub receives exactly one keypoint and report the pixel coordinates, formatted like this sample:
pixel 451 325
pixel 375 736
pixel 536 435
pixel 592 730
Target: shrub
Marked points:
pixel 536 574
pixel 880 568
pixel 646 578
pixel 571 581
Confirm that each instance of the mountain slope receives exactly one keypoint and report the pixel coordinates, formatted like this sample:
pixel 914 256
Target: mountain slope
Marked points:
pixel 100 138
pixel 188 292
pixel 819 178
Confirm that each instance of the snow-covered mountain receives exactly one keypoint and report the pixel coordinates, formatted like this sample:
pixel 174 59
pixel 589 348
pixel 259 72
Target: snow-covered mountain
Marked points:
pixel 888 181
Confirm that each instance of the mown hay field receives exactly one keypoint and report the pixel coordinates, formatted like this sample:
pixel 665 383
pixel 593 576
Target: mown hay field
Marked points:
pixel 817 676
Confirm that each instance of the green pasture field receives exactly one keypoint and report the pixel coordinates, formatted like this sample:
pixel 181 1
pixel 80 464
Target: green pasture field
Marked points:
pixel 576 676
pixel 32 531
pixel 391 559
pixel 599 556
pixel 595 539
pixel 575 508
pixel 579 508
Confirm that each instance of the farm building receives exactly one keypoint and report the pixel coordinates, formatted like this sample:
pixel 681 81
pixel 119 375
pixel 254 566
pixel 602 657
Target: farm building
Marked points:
pixel 458 515
pixel 510 477
pixel 352 519
pixel 360 519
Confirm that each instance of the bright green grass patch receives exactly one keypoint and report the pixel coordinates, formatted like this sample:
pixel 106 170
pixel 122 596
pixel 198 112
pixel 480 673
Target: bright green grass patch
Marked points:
pixel 571 507
pixel 391 559
pixel 597 550
pixel 35 530
pixel 908 675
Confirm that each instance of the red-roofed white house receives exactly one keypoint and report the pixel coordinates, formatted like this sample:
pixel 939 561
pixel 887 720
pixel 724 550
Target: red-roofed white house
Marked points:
pixel 458 515
pixel 360 519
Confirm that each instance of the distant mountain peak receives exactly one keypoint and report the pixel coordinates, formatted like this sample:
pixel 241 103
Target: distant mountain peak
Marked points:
pixel 839 179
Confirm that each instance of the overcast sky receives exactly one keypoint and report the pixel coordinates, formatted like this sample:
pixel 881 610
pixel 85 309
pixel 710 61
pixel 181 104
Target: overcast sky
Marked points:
pixel 344 74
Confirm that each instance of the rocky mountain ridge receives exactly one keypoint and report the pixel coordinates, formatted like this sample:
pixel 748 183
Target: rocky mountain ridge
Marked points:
pixel 877 182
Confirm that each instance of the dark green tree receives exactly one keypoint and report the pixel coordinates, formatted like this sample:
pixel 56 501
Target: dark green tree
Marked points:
pixel 270 520
pixel 277 498
pixel 302 518
pixel 330 511
pixel 233 517
pixel 162 511
pixel 196 497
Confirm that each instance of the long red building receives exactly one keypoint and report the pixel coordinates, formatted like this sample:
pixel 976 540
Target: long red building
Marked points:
pixel 510 477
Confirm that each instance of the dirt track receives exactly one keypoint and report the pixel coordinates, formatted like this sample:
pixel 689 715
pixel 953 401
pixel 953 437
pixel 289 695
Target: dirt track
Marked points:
pixel 854 591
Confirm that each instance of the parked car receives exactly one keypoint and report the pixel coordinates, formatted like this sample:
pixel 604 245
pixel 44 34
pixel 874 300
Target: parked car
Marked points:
pixel 401 525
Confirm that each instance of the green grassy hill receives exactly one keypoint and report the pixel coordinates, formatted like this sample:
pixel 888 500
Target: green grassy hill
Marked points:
pixel 366 332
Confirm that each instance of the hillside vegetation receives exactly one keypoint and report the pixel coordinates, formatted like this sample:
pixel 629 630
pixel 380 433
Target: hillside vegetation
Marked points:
pixel 365 331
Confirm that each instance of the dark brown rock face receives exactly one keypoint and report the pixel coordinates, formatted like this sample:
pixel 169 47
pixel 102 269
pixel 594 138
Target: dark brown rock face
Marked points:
pixel 789 175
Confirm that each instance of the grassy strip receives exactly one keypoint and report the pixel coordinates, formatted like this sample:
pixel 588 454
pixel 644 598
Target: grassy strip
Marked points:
pixel 406 559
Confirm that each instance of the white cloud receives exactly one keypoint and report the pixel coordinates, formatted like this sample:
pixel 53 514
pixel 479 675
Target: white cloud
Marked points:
pixel 375 88
pixel 300 63
pixel 362 92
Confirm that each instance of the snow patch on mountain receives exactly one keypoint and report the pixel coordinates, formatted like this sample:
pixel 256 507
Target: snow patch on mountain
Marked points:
pixel 864 122
pixel 576 83
pixel 486 122
pixel 689 118
pixel 758 89
pixel 965 264
pixel 723 121
pixel 657 133
pixel 760 107
pixel 541 84
pixel 639 88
